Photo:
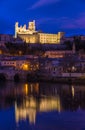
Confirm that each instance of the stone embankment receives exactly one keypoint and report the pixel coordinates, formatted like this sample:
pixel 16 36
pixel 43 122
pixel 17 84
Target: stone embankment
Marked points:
pixel 14 75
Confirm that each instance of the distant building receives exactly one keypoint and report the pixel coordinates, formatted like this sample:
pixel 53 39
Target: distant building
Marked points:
pixel 30 35
pixel 4 38
pixel 75 37
pixel 82 37
pixel 71 39
pixel 57 53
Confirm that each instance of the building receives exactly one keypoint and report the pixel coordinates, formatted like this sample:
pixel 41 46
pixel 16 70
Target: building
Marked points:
pixel 30 35
pixel 4 38
pixel 20 63
pixel 50 38
pixel 57 53
pixel 8 38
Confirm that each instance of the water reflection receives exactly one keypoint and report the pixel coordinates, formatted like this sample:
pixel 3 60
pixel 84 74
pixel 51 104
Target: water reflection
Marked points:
pixel 32 98
pixel 32 105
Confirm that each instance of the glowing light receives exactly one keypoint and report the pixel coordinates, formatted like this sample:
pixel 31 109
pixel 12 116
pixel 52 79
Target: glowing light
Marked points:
pixel 37 88
pixel 25 67
pixel 0 51
pixel 26 89
pixel 73 92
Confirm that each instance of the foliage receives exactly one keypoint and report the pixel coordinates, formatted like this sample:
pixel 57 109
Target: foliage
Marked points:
pixel 23 49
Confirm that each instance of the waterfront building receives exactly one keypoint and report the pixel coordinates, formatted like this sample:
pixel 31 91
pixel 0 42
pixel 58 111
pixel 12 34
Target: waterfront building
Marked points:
pixel 20 62
pixel 30 35
pixel 49 67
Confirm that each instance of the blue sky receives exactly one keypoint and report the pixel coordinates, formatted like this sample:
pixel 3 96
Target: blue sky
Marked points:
pixel 51 15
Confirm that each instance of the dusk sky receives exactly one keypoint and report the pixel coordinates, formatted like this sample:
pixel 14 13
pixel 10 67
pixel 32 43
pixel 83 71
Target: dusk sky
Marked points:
pixel 51 16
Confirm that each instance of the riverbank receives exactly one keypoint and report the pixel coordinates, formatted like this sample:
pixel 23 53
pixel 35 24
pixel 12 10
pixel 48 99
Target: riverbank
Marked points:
pixel 63 80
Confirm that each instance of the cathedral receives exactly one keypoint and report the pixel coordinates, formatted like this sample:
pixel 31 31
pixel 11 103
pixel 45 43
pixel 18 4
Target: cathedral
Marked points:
pixel 30 35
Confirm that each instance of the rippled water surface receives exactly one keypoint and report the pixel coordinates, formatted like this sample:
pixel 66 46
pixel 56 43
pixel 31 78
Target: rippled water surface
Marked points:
pixel 42 106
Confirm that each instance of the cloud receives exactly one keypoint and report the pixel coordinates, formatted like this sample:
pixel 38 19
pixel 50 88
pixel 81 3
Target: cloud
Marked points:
pixel 74 23
pixel 42 3
pixel 64 23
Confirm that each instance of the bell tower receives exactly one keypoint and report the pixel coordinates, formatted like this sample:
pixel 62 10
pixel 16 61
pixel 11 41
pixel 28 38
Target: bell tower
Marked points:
pixel 16 29
pixel 32 26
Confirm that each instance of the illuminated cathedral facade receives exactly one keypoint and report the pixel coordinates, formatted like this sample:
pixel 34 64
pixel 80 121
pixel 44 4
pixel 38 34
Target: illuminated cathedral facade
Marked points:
pixel 30 35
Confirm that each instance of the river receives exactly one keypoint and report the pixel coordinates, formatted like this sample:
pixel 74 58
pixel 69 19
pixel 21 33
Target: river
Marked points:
pixel 42 106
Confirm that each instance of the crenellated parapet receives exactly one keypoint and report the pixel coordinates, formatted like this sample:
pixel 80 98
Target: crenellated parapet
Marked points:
pixel 25 30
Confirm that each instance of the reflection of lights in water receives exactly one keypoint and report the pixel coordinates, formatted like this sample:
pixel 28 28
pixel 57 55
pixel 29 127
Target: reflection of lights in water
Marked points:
pixel 37 88
pixel 34 87
pixel 26 89
pixel 29 107
pixel 16 114
pixel 50 104
pixel 31 87
pixel 22 113
pixel 73 92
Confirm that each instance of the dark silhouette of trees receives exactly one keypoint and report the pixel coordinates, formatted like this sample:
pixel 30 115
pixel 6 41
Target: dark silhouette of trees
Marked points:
pixel 68 45
pixel 24 49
